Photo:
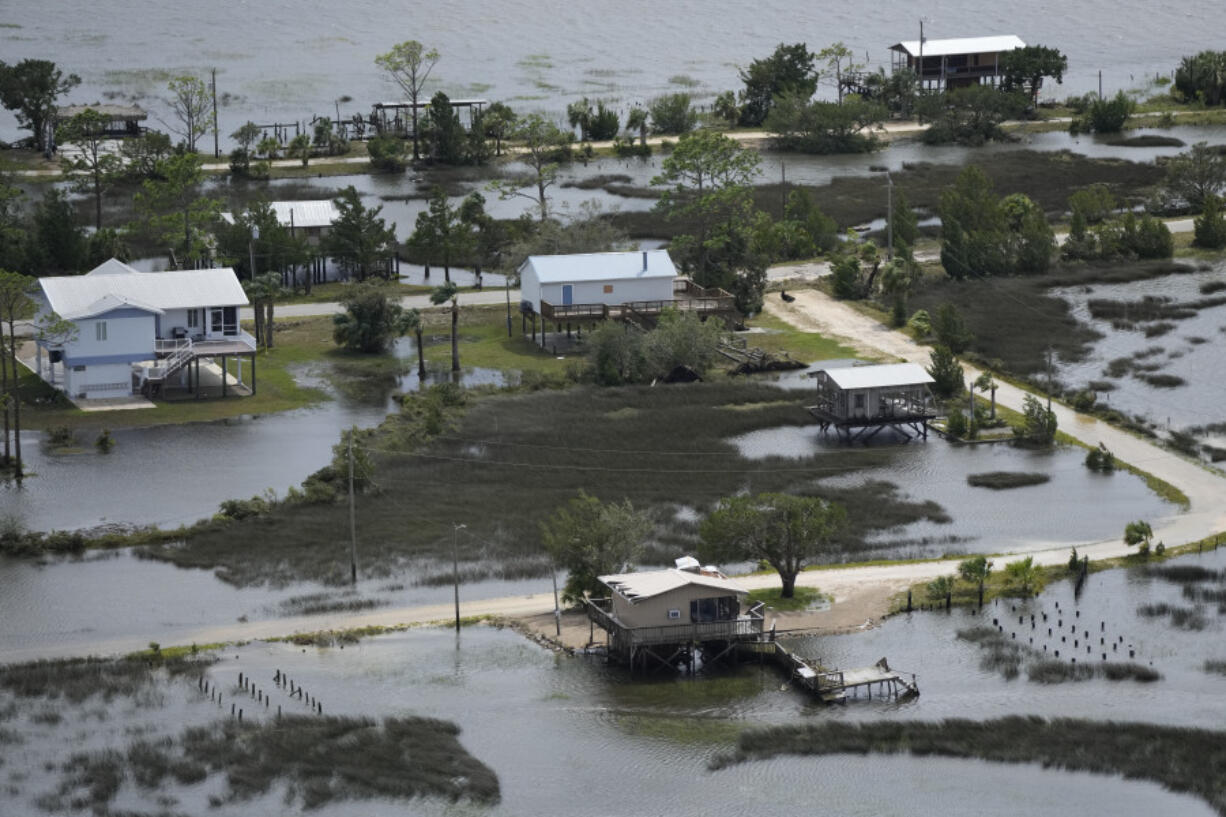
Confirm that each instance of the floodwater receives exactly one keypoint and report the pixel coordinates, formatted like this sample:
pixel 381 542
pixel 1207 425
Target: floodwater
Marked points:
pixel 278 61
pixel 1192 351
pixel 167 475
pixel 1074 507
pixel 557 729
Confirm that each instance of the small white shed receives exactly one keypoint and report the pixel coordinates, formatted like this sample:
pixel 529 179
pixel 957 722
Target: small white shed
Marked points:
pixel 596 278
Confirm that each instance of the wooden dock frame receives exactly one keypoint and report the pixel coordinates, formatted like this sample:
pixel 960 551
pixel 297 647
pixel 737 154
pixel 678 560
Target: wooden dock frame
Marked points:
pixel 651 649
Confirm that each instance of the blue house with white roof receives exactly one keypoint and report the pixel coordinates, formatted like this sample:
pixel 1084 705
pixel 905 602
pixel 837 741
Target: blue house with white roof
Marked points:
pixel 139 331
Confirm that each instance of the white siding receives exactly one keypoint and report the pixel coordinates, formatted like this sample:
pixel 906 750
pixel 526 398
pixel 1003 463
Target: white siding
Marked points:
pixel 100 380
pixel 623 291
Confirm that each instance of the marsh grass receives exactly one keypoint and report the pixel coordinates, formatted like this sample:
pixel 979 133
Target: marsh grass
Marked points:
pixel 654 446
pixel 1162 381
pixel 1009 656
pixel 1179 758
pixel 77 679
pixel 1184 574
pixel 1003 480
pixel 316 603
pixel 317 759
pixel 1216 667
pixel 1183 618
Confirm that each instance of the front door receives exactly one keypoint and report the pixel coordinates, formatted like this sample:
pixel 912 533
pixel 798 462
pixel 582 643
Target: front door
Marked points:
pixel 568 294
pixel 216 320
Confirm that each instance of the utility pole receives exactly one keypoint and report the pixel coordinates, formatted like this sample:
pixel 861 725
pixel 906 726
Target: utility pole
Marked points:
pixel 353 519
pixel 783 190
pixel 216 146
pixel 455 568
pixel 1100 85
pixel 255 236
pixel 557 609
pixel 1049 378
pixel 889 217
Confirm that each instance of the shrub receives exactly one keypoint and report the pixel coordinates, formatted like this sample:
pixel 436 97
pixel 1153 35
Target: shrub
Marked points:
pixel 388 153
pixel 946 372
pixel 1210 225
pixel 1038 427
pixel 956 425
pixel 1105 115
pixel 672 114
pixel 1100 459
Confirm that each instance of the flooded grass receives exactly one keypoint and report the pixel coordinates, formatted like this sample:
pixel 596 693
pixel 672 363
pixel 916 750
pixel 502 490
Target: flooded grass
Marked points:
pixel 1009 657
pixel 1015 320
pixel 317 759
pixel 1184 574
pixel 1180 759
pixel 316 603
pixel 1216 667
pixel 533 451
pixel 1004 480
pixel 1183 618
pixel 78 679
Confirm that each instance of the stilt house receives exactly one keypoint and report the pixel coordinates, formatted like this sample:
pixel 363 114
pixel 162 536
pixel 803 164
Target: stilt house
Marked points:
pixel 870 398
pixel 954 63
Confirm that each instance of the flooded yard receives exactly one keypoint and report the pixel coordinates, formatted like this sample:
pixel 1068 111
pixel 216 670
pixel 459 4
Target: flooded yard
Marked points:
pixel 1185 346
pixel 555 728
pixel 1074 506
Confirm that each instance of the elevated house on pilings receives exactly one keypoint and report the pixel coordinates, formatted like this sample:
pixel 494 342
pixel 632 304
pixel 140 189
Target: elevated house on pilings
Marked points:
pixel 117 121
pixel 313 220
pixel 857 402
pixel 145 333
pixel 396 118
pixel 954 63
pixel 574 292
pixel 663 619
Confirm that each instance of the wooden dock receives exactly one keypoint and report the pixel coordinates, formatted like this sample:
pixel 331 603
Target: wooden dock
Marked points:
pixel 832 686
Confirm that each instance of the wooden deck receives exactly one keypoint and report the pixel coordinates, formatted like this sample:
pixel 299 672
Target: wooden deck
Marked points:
pixel 687 297
pixel 832 686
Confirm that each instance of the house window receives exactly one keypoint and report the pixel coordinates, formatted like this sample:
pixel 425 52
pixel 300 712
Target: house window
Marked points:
pixel 193 319
pixel 859 401
pixel 674 615
pixel 100 330
pixel 608 289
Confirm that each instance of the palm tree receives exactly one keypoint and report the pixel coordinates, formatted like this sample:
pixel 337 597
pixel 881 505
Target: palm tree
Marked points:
pixel 412 322
pixel 985 383
pixel 300 148
pixel 1023 572
pixel 441 294
pixel 975 570
pixel 636 120
pixel 263 290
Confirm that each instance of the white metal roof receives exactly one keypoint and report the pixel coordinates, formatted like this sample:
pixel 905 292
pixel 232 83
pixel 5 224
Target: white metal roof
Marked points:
pixel 601 266
pixel 879 375
pixel 315 213
pixel 650 583
pixel 960 45
pixel 114 284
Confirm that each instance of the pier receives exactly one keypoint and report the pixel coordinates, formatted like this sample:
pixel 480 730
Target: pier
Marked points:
pixel 832 686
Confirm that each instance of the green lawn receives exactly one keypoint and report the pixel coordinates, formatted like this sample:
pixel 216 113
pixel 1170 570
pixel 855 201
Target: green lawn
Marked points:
pixel 783 337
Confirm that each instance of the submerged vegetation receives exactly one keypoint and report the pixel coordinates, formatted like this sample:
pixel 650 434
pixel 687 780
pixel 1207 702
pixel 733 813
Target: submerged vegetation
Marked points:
pixel 519 455
pixel 318 759
pixel 1180 759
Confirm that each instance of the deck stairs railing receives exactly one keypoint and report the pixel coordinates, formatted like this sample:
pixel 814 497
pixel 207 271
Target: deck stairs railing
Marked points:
pixel 172 356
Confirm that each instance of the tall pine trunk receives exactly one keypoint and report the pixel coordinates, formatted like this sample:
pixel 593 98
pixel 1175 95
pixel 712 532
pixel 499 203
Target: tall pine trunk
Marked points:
pixel 455 337
pixel 17 471
pixel 4 378
pixel 421 357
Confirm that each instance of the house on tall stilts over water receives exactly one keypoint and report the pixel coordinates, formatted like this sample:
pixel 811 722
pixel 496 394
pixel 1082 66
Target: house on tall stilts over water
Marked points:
pixel 692 616
pixel 574 292
pixel 857 402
